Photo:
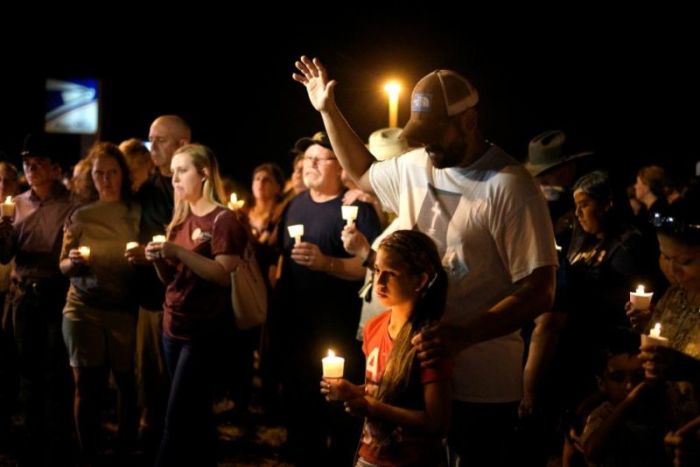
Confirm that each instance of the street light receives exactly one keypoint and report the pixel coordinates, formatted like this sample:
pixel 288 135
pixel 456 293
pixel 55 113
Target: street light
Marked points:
pixel 393 88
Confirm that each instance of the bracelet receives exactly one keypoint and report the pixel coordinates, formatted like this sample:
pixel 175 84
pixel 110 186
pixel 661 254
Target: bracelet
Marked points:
pixel 369 260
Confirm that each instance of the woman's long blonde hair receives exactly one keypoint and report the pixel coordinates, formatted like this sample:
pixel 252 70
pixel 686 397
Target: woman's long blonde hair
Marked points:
pixel 212 189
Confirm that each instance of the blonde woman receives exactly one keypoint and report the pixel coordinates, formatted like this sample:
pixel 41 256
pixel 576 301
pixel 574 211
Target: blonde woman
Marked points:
pixel 204 244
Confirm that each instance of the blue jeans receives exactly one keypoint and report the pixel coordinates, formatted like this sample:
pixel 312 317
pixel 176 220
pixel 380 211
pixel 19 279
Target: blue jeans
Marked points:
pixel 189 437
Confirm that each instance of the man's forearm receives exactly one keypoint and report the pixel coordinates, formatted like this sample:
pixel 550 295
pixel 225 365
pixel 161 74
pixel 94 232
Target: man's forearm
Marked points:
pixel 533 297
pixel 348 147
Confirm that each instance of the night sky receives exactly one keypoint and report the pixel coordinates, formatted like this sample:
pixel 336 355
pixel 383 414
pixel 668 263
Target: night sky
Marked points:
pixel 631 96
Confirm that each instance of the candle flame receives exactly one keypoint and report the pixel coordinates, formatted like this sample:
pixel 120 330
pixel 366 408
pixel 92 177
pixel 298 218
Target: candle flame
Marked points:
pixel 640 288
pixel 656 332
pixel 8 200
pixel 331 353
pixel 234 198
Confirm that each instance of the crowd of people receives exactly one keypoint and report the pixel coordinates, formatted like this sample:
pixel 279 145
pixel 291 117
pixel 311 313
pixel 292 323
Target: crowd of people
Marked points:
pixel 482 306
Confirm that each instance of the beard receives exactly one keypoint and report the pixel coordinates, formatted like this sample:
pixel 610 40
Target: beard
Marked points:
pixel 451 156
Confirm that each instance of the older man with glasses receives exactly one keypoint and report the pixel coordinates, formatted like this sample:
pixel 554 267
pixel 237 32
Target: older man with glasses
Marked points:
pixel 318 304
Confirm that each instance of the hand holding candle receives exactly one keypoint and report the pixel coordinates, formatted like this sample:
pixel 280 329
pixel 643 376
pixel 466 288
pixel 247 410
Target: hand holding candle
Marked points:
pixel 640 300
pixel 296 231
pixel 654 337
pixel 7 208
pixel 349 213
pixel 85 253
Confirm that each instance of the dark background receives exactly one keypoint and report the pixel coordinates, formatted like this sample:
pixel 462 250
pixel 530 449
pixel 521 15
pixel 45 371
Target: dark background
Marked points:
pixel 628 92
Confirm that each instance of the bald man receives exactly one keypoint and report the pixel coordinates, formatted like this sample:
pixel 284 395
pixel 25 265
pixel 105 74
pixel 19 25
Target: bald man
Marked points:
pixel 167 134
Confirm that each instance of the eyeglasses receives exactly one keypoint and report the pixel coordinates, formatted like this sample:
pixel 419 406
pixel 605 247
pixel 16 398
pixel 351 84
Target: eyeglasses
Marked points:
pixel 317 160
pixel 618 376
pixel 671 223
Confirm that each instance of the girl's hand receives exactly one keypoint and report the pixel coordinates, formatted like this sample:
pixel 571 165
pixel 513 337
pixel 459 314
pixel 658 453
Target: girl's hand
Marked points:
pixel 154 251
pixel 360 406
pixel 338 389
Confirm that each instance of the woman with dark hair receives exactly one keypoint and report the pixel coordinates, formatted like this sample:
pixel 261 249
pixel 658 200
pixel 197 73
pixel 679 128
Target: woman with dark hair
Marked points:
pixel 678 314
pixel 264 214
pixel 99 315
pixel 678 311
pixel 604 262
pixel 406 407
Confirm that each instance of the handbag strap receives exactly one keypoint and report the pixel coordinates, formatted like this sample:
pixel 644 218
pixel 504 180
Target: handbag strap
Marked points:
pixel 249 250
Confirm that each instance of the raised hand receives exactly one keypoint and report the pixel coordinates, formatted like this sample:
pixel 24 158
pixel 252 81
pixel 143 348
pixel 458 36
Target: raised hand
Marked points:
pixel 312 74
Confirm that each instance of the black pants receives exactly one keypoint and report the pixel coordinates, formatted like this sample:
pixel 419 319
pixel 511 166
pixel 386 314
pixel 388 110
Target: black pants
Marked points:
pixel 45 378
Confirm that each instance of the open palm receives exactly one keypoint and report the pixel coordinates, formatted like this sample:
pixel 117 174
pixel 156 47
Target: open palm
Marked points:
pixel 312 74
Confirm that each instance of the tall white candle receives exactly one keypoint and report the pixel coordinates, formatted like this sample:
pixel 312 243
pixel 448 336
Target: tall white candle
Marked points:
pixel 349 214
pixel 7 208
pixel 333 365
pixel 296 231
pixel 640 299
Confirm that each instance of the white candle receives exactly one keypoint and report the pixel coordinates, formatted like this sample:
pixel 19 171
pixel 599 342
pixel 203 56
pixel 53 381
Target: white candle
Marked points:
pixel 235 203
pixel 158 238
pixel 333 365
pixel 654 337
pixel 349 214
pixel 131 245
pixel 296 231
pixel 85 252
pixel 640 300
pixel 7 209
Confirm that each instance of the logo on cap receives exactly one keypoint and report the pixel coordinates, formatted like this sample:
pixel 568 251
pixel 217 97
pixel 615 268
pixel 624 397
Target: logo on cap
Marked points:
pixel 421 102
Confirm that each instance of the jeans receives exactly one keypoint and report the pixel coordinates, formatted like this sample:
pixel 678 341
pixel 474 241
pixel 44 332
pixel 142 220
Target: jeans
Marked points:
pixel 189 436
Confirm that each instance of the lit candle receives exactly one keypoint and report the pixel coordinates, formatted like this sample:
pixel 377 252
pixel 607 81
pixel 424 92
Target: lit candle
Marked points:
pixel 640 300
pixel 235 203
pixel 349 214
pixel 7 209
pixel 131 245
pixel 654 337
pixel 158 238
pixel 85 252
pixel 333 365
pixel 296 231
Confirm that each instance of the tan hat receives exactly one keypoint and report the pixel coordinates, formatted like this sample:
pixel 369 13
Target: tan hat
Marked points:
pixel 546 151
pixel 387 143
pixel 437 97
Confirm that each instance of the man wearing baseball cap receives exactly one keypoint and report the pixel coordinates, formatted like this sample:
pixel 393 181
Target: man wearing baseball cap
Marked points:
pixel 33 238
pixel 490 223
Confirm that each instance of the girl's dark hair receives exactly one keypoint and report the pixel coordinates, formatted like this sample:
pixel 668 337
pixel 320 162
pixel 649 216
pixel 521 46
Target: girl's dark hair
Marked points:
pixel 598 187
pixel 418 254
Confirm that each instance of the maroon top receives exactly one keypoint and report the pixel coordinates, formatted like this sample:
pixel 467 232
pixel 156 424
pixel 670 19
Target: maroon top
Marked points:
pixel 191 301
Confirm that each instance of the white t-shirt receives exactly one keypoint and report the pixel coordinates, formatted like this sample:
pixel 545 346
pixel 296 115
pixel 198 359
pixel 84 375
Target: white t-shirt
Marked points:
pixel 491 226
